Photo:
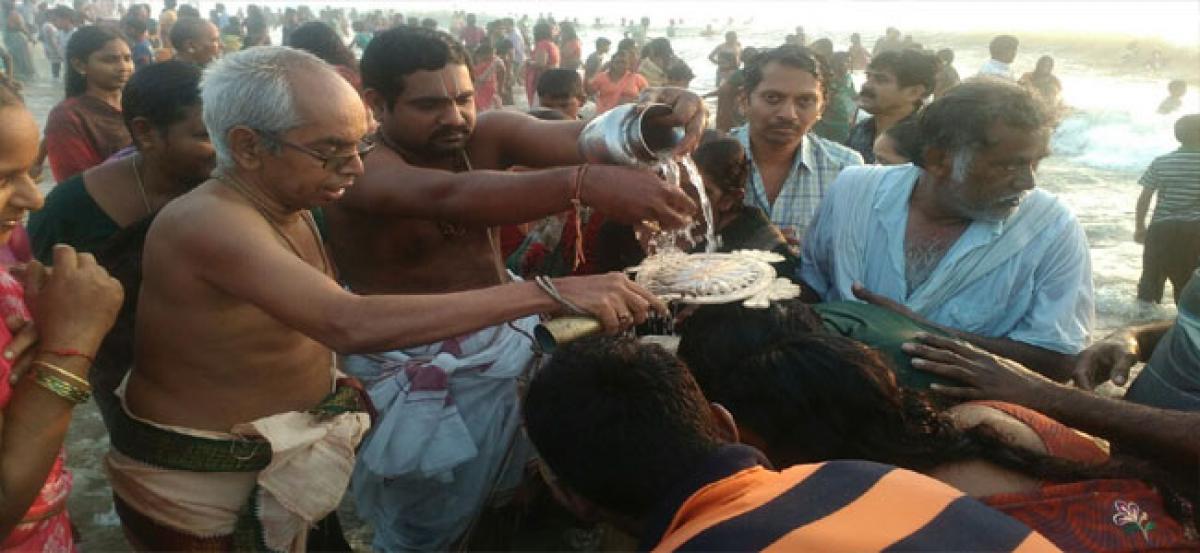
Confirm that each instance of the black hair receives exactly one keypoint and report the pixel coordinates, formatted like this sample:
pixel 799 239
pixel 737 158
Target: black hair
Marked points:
pixel 1002 45
pixel 602 42
pixel 135 27
pixel 815 397
pixel 187 10
pixel 484 50
pixel 566 32
pixel 723 162
pixel 1177 84
pixel 1187 129
pixel 911 68
pixel 429 23
pixel 658 47
pixel 946 55
pixel 161 93
pixel 963 117
pixel 907 136
pixel 401 51
pixel 542 31
pixel 790 55
pixel 504 45
pixel 678 70
pixel 619 422
pixel 85 42
pixel 319 39
pixel 626 44
pixel 560 83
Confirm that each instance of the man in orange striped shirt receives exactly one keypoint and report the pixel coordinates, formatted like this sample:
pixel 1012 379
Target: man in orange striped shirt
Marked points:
pixel 626 436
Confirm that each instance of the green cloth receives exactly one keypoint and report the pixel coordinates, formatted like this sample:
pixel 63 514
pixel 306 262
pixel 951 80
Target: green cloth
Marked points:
pixel 70 216
pixel 883 330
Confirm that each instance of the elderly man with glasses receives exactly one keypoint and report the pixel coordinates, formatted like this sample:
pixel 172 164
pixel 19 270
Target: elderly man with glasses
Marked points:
pixel 237 430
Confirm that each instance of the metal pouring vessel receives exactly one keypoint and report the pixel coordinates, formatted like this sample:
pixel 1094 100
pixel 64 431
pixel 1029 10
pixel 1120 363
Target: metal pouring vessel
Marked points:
pixel 625 135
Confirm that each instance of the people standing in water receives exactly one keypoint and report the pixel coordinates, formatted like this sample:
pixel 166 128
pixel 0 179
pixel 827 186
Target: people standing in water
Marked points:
pixel 1003 51
pixel 947 76
pixel 1042 83
pixel 727 56
pixel 1172 240
pixel 87 127
pixel 619 85
pixel 17 40
pixel 75 305
pixel 571 47
pixel 1174 100
pixel 545 55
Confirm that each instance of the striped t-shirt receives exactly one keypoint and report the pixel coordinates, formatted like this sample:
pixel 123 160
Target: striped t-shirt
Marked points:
pixel 836 506
pixel 1175 177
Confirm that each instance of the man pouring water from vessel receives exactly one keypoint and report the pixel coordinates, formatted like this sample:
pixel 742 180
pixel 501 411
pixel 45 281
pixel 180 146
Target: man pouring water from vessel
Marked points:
pixel 429 468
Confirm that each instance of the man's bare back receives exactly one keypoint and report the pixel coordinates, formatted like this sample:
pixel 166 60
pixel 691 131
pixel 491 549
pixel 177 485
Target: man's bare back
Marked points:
pixel 206 359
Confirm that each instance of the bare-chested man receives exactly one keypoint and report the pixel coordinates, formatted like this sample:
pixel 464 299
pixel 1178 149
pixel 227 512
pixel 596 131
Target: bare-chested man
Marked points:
pixel 448 435
pixel 234 433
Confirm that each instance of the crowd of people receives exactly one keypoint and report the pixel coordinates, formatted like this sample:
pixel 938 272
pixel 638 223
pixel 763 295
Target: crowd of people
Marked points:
pixel 288 273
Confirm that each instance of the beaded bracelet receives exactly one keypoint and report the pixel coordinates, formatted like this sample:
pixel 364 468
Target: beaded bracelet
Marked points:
pixel 62 388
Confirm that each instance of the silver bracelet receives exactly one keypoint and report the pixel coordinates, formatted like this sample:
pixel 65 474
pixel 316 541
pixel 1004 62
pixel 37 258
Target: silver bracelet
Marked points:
pixel 547 286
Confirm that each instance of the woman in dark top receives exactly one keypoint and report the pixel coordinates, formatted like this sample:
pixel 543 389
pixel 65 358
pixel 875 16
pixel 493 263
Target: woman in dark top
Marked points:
pixel 161 106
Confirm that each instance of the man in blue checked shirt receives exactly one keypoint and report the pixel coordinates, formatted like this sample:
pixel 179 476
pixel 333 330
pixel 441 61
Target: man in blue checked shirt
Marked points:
pixel 784 94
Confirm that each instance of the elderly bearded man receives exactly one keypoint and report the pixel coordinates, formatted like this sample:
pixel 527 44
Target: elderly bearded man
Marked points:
pixel 235 431
pixel 964 240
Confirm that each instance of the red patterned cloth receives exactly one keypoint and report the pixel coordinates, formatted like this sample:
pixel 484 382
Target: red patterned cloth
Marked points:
pixel 45 526
pixel 1098 516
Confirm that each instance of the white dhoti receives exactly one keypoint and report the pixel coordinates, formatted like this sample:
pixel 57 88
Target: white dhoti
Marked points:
pixel 448 434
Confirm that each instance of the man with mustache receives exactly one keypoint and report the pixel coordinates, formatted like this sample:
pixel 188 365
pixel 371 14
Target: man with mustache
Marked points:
pixel 784 93
pixel 447 443
pixel 963 240
pixel 898 82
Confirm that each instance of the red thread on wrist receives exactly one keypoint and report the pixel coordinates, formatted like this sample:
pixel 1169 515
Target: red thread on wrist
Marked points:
pixel 70 353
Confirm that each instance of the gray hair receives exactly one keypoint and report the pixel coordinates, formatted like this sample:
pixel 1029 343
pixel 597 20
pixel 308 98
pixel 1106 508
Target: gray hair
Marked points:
pixel 958 123
pixel 253 88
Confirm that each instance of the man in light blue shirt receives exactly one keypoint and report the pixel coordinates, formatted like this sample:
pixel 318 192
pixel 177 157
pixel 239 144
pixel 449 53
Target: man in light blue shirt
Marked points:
pixel 964 241
pixel 784 94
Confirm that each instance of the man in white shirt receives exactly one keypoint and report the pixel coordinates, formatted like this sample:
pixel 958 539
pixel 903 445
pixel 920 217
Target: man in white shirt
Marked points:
pixel 1004 50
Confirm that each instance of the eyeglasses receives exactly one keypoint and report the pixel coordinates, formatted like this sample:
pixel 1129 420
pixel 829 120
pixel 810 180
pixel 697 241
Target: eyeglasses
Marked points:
pixel 333 163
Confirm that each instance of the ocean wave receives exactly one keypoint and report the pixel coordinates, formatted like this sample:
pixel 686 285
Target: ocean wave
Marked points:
pixel 1114 138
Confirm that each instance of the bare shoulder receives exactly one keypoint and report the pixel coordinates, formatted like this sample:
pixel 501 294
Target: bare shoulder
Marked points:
pixel 205 223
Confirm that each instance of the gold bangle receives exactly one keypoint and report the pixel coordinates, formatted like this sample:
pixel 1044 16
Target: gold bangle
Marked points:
pixel 82 382
pixel 62 388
